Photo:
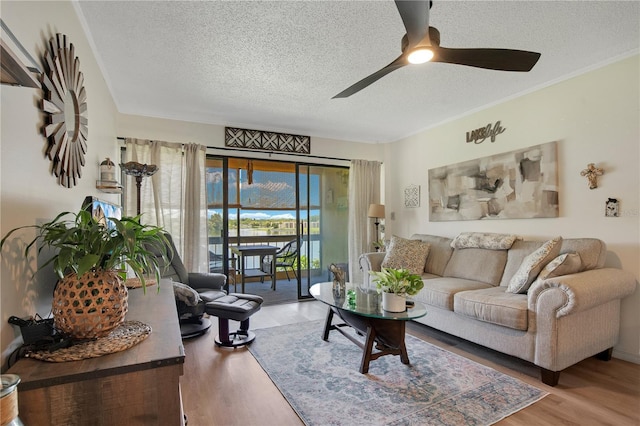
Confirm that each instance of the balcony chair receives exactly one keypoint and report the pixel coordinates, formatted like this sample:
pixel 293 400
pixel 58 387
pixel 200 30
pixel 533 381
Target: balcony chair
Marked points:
pixel 216 265
pixel 198 293
pixel 284 258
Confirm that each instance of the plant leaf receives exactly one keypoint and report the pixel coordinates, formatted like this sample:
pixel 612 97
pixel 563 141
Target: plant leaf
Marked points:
pixel 86 263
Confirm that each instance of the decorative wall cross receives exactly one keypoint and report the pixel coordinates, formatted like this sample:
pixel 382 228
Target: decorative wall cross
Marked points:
pixel 592 172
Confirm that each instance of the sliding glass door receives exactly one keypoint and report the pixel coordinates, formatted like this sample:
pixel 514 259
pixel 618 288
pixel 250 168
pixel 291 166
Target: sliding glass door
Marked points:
pixel 300 209
pixel 217 174
pixel 324 218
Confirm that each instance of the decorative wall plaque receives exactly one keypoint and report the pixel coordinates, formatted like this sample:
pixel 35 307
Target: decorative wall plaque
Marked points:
pixel 266 141
pixel 611 207
pixel 65 103
pixel 412 196
pixel 479 135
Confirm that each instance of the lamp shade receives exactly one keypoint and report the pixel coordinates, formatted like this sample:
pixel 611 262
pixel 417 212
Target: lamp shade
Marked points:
pixel 376 210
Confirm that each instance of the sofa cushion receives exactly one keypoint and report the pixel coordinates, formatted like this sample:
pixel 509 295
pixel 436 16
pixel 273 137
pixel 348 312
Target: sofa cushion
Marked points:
pixel 485 240
pixel 477 264
pixel 516 256
pixel 533 264
pixel 565 264
pixel 428 276
pixel 406 254
pixel 439 252
pixel 494 305
pixel 439 292
pixel 592 251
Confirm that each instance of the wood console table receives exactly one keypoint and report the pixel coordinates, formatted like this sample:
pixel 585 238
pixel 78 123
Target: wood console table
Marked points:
pixel 138 386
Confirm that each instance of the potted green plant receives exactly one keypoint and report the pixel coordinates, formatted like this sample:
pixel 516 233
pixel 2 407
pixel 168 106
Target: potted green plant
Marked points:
pixel 395 285
pixel 90 298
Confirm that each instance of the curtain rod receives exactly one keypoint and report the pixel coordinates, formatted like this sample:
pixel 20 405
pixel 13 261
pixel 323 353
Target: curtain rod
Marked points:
pixel 270 152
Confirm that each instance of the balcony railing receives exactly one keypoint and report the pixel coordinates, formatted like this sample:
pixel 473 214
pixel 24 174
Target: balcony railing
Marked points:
pixel 216 249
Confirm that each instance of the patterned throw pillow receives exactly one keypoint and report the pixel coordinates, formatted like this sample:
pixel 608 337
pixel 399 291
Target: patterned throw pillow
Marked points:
pixel 565 264
pixel 185 294
pixel 532 265
pixel 484 240
pixel 406 254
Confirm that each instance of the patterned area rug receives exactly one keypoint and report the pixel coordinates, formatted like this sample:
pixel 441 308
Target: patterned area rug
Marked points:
pixel 322 383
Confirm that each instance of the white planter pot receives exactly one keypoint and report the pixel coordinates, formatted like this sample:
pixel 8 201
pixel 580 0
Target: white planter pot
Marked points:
pixel 391 302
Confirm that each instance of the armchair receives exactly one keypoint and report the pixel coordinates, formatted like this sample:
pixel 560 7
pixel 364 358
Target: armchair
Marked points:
pixel 199 293
pixel 192 290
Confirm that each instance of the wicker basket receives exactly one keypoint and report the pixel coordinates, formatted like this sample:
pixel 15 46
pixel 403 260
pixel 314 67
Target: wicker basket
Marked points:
pixel 90 306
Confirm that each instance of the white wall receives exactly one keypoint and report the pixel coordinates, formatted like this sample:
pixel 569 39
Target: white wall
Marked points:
pixel 28 191
pixel 213 136
pixel 595 118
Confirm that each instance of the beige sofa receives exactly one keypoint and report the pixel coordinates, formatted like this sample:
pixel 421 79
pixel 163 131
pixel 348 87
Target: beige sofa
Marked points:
pixel 558 322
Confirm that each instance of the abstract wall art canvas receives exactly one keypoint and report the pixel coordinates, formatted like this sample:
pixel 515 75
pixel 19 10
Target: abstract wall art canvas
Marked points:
pixel 520 184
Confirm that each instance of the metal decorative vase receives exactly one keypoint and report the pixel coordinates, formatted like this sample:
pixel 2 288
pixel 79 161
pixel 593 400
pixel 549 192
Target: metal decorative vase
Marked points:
pixel 339 288
pixel 339 284
pixel 89 306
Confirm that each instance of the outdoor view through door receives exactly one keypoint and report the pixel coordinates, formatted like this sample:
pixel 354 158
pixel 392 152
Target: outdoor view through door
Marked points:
pixel 265 215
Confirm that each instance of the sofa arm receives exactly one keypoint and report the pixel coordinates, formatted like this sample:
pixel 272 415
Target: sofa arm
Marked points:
pixel 209 280
pixel 584 290
pixel 371 262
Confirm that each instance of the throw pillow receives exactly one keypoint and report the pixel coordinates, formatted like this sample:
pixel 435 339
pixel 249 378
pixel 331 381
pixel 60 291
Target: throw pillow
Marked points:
pixel 484 240
pixel 185 294
pixel 565 264
pixel 532 265
pixel 406 254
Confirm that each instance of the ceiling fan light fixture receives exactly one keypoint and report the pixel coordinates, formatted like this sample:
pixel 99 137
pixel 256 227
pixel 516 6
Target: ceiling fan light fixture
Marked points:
pixel 420 56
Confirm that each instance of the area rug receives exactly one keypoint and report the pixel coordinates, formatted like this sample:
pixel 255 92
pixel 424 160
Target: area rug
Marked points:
pixel 322 383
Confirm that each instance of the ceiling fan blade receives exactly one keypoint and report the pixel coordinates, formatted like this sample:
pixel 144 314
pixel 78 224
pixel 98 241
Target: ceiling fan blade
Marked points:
pixel 400 62
pixel 493 59
pixel 415 17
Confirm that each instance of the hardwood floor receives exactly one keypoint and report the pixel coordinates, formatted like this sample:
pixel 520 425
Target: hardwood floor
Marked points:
pixel 223 386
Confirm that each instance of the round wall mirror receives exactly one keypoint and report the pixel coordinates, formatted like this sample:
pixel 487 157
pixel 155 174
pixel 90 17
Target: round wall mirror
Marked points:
pixel 72 115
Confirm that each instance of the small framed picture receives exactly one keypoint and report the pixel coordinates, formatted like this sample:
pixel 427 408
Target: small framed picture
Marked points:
pixel 611 207
pixel 412 196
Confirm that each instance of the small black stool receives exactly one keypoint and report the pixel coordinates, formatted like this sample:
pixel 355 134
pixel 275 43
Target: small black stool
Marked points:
pixel 237 307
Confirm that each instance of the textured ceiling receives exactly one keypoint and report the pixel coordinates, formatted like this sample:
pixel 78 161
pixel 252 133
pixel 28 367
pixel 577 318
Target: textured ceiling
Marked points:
pixel 276 65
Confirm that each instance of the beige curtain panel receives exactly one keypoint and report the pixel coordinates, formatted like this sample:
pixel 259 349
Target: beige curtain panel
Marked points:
pixel 364 189
pixel 174 197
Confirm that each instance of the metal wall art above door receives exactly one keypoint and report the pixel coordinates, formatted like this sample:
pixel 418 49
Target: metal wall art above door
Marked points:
pixel 266 141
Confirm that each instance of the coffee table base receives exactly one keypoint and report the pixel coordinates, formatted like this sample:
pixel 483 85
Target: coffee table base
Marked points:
pixel 388 335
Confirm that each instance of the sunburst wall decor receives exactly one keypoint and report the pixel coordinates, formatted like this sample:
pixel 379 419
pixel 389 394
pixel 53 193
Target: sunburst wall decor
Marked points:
pixel 65 103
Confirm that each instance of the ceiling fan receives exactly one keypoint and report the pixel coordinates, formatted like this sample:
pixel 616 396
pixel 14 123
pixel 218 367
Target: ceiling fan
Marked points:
pixel 421 44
